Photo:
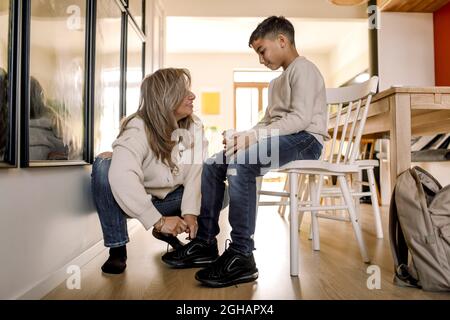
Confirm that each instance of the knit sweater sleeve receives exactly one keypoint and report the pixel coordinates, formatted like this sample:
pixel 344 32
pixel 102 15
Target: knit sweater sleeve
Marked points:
pixel 126 177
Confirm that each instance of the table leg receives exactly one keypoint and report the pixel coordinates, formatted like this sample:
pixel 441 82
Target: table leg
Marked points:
pixel 400 135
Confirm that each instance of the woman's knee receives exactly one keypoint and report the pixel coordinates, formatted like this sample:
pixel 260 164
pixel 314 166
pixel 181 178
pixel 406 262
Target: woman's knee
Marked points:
pixel 100 170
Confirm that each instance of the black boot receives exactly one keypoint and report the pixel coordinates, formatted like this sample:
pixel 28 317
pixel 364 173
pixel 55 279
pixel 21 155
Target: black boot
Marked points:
pixel 116 262
pixel 170 239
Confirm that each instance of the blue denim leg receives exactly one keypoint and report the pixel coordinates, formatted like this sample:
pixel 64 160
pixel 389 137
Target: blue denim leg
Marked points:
pixel 171 204
pixel 242 185
pixel 112 218
pixel 213 190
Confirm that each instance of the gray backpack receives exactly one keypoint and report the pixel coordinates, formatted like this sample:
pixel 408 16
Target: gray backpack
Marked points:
pixel 419 227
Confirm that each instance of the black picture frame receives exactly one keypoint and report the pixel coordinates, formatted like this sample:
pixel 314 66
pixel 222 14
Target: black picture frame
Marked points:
pixel 89 68
pixel 13 96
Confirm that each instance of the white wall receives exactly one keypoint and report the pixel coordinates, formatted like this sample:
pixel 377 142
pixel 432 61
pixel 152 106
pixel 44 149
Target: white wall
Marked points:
pixel 350 57
pixel 406 49
pixel 262 8
pixel 47 218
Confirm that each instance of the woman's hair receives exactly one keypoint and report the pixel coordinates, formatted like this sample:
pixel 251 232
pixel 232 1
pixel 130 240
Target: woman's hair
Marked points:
pixel 161 93
pixel 37 99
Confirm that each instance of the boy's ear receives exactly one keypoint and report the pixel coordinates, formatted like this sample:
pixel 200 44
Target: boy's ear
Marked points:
pixel 282 40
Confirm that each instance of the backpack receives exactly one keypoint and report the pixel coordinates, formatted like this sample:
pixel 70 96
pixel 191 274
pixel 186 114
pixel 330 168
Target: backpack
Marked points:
pixel 419 227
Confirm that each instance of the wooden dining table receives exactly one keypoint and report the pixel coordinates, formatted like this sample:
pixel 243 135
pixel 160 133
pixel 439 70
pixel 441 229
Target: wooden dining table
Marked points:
pixel 398 113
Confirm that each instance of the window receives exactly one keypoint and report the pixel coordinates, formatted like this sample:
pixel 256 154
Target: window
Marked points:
pixel 251 96
pixel 107 75
pixel 135 45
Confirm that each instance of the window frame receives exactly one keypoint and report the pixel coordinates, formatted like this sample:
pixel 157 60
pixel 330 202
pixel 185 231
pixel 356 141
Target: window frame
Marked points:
pixel 13 96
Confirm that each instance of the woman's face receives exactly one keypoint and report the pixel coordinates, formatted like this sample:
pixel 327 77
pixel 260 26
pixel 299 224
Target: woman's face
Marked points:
pixel 186 107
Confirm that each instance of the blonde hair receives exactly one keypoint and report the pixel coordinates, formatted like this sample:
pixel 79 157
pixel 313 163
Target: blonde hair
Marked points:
pixel 161 93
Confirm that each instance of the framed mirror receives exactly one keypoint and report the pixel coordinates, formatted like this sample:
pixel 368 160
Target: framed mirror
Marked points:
pixel 55 83
pixel 8 82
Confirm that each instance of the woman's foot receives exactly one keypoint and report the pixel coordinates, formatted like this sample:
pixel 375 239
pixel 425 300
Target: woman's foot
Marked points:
pixel 172 240
pixel 116 262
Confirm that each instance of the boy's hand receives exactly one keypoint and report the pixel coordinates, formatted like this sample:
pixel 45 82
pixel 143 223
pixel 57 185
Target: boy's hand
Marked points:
pixel 192 226
pixel 240 141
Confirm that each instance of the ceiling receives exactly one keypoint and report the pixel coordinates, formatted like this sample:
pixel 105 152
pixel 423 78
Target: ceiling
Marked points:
pixel 230 35
pixel 411 5
pixel 262 8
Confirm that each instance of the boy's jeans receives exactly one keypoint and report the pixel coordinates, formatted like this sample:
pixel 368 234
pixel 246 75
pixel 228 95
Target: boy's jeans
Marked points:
pixel 112 218
pixel 242 186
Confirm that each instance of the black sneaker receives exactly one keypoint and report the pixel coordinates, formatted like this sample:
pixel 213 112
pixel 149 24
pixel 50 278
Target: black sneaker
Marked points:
pixel 231 268
pixel 170 239
pixel 197 253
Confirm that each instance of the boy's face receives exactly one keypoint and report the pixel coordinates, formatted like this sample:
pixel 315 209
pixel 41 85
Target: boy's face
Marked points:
pixel 270 51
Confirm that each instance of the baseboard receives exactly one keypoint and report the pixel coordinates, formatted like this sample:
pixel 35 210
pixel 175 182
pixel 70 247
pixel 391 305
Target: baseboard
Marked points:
pixel 42 288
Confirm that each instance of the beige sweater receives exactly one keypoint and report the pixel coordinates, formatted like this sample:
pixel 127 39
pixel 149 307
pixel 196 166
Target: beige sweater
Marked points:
pixel 297 102
pixel 136 175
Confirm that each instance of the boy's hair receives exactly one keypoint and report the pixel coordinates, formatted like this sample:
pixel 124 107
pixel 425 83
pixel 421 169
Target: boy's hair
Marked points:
pixel 271 27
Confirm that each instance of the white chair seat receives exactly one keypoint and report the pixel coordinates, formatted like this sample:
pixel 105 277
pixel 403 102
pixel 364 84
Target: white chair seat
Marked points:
pixel 366 163
pixel 320 166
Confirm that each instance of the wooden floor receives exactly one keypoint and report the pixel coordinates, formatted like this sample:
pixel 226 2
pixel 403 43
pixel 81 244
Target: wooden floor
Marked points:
pixel 335 272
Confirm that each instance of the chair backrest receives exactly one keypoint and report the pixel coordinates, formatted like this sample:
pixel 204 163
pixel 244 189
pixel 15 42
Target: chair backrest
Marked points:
pixel 348 119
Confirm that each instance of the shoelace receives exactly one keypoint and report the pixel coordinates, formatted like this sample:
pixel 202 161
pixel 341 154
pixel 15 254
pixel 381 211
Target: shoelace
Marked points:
pixel 227 241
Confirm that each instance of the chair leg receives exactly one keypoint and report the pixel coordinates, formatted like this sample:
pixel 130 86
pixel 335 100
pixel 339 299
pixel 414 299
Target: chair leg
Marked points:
pixel 259 181
pixel 375 207
pixel 293 217
pixel 352 212
pixel 314 219
pixel 359 189
pixel 282 208
pixel 302 196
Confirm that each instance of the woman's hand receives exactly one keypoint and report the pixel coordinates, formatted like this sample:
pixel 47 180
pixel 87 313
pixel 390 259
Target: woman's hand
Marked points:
pixel 192 225
pixel 171 225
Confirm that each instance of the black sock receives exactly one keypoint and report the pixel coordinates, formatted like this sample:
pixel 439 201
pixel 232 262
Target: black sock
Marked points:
pixel 116 262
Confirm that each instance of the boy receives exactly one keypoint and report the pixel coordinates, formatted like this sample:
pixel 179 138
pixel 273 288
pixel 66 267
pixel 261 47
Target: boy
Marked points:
pixel 296 115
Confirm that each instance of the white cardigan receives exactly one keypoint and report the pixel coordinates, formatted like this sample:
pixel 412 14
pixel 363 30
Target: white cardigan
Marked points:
pixel 136 175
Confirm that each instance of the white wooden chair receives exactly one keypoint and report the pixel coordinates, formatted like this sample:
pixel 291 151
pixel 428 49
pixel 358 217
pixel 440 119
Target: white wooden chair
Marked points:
pixel 350 110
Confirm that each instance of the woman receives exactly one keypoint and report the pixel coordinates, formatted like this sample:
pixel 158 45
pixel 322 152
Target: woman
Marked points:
pixel 154 173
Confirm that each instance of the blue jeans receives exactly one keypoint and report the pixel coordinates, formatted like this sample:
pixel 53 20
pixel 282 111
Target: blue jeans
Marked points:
pixel 242 186
pixel 112 218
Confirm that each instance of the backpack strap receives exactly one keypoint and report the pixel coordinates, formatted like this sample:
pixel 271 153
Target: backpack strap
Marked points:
pixel 399 249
